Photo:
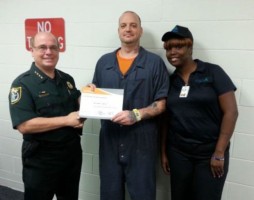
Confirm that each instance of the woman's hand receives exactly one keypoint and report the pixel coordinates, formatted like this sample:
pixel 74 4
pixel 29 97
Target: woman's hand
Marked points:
pixel 217 166
pixel 165 164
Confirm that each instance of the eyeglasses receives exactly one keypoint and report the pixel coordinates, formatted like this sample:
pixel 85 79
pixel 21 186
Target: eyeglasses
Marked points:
pixel 44 48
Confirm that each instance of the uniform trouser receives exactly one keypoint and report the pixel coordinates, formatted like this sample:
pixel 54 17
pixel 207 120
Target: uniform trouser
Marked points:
pixel 192 179
pixel 128 158
pixel 50 170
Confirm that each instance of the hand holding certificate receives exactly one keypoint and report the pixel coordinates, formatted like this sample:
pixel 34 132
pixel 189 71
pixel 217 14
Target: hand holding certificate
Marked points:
pixel 102 103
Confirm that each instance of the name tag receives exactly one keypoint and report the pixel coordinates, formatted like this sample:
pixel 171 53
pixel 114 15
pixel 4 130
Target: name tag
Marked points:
pixel 184 91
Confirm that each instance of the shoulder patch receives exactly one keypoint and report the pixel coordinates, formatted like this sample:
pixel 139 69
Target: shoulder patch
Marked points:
pixel 70 86
pixel 15 94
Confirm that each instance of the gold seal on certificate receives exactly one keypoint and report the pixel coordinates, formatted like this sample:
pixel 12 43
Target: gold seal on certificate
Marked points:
pixel 102 103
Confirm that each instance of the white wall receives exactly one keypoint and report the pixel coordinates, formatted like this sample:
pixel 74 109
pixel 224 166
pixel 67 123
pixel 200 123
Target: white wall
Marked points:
pixel 223 32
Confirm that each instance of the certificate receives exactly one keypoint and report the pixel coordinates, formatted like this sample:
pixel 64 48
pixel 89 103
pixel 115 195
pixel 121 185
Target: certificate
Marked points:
pixel 102 103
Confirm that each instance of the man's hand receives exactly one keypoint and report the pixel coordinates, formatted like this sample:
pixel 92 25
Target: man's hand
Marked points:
pixel 74 120
pixel 92 86
pixel 125 117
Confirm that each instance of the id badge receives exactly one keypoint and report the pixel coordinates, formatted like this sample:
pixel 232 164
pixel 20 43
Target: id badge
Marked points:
pixel 184 91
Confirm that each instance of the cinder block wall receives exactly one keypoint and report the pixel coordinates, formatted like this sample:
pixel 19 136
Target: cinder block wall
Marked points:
pixel 223 32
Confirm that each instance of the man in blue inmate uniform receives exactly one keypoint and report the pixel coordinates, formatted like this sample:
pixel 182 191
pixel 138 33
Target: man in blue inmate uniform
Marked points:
pixel 43 106
pixel 128 142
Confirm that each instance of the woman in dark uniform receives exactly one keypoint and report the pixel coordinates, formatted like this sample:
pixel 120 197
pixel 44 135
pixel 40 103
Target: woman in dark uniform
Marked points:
pixel 201 116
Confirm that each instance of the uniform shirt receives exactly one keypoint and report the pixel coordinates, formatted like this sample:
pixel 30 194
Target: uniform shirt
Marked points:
pixel 197 118
pixel 33 94
pixel 145 82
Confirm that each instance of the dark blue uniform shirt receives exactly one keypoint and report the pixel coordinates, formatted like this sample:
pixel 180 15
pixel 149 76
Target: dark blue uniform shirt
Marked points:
pixel 197 118
pixel 145 82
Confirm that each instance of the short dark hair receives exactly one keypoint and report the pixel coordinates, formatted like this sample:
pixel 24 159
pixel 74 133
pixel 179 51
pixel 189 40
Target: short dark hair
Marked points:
pixel 179 42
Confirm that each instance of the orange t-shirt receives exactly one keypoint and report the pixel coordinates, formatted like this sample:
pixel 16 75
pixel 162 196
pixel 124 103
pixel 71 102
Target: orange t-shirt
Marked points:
pixel 124 63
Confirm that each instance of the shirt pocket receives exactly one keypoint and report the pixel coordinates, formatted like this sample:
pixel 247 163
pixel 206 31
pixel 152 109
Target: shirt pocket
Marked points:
pixel 135 91
pixel 48 106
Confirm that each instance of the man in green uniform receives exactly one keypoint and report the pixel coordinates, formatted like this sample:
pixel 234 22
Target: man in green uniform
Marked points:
pixel 43 105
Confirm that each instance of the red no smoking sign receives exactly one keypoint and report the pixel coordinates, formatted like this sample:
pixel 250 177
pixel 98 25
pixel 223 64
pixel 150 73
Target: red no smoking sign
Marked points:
pixel 53 25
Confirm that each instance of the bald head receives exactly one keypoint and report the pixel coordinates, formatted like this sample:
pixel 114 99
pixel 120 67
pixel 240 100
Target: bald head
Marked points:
pixel 41 35
pixel 132 13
